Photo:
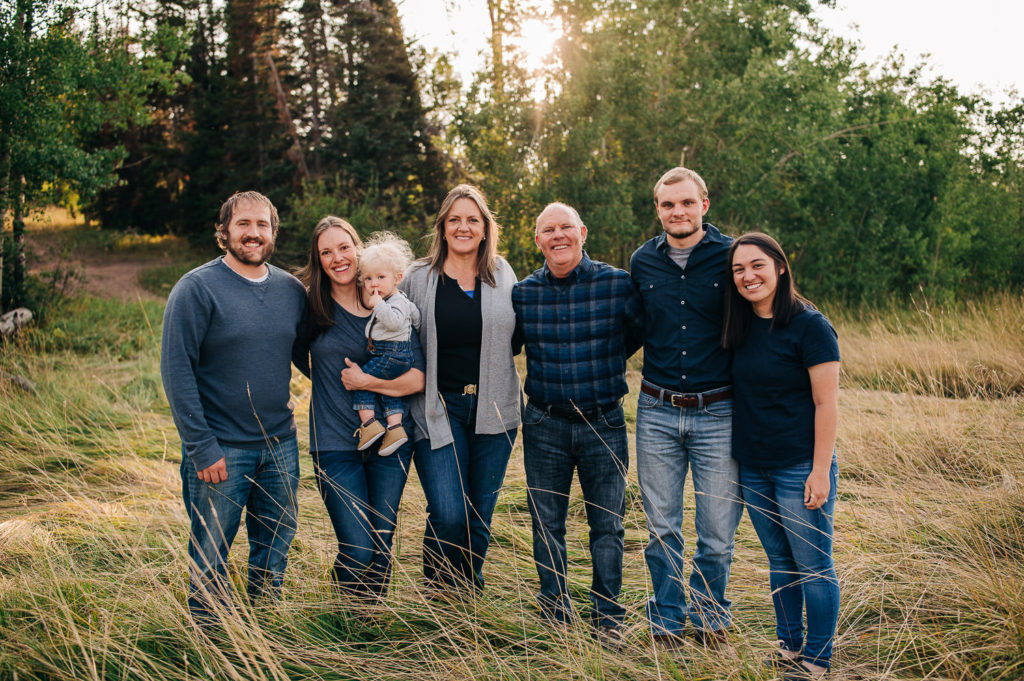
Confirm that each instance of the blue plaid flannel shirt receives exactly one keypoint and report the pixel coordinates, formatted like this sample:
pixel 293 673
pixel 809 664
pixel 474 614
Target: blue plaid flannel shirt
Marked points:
pixel 578 332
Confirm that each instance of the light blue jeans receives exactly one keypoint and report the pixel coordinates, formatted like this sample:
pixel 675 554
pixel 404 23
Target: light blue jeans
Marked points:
pixel 669 441
pixel 798 543
pixel 264 483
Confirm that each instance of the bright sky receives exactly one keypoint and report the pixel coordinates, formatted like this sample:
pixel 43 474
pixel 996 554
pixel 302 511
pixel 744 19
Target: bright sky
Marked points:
pixel 976 44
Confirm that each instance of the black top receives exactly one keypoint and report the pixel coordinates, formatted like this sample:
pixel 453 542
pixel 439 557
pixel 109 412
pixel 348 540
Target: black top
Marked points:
pixel 459 332
pixel 683 312
pixel 773 422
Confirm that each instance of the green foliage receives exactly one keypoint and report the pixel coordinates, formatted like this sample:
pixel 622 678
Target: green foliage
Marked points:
pixel 41 292
pixel 160 279
pixel 876 182
pixel 96 326
pixel 319 199
pixel 61 90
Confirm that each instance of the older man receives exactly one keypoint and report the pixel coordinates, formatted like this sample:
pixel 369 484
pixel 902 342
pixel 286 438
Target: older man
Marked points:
pixel 231 330
pixel 579 322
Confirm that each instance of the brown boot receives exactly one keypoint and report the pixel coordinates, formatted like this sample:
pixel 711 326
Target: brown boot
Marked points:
pixel 394 438
pixel 368 433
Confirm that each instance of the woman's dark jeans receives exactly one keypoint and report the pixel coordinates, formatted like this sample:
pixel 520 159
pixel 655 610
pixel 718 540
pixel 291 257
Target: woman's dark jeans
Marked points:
pixel 461 482
pixel 362 491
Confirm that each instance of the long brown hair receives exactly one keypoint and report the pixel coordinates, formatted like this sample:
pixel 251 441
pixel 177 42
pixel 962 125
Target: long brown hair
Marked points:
pixel 786 304
pixel 487 254
pixel 312 275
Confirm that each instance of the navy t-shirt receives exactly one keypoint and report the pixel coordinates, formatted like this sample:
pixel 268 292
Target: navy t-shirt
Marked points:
pixel 331 417
pixel 773 424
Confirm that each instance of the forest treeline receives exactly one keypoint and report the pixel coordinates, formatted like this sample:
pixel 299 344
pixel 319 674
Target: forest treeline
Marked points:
pixel 878 180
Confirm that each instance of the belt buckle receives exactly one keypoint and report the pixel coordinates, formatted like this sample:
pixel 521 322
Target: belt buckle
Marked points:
pixel 683 401
pixel 469 389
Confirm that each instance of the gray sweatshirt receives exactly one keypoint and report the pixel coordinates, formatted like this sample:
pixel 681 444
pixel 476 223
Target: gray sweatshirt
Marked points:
pixel 226 355
pixel 393 319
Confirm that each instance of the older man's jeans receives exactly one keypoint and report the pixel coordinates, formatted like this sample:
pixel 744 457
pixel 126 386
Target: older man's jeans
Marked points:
pixel 798 543
pixel 669 441
pixel 362 492
pixel 599 452
pixel 264 483
pixel 461 483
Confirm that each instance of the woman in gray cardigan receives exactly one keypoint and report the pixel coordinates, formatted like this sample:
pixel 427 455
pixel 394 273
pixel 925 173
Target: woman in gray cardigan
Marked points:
pixel 468 416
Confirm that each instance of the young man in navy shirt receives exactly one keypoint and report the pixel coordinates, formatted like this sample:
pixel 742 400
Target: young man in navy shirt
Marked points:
pixel 232 328
pixel 684 415
pixel 579 322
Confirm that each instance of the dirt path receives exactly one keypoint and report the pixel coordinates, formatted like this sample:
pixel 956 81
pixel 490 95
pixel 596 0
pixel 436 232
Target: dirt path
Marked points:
pixel 118 279
pixel 98 274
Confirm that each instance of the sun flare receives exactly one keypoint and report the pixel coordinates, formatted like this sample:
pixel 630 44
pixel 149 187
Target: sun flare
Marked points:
pixel 537 40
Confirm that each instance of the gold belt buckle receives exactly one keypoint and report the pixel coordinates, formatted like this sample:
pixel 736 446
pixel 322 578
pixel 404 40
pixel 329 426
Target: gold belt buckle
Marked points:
pixel 469 389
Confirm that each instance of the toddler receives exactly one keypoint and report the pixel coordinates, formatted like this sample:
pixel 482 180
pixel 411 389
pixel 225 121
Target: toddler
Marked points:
pixel 388 334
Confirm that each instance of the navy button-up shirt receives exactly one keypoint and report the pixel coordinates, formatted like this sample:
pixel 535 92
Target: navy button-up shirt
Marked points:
pixel 683 313
pixel 578 331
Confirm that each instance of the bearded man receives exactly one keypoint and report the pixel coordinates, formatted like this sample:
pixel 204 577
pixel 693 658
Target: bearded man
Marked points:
pixel 232 329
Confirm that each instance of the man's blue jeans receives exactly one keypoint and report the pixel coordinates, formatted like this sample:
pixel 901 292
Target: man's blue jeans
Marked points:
pixel 799 547
pixel 389 359
pixel 670 440
pixel 461 482
pixel 264 483
pixel 362 492
pixel 598 450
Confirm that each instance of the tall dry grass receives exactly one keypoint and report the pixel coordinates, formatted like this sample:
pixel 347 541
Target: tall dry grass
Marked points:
pixel 966 349
pixel 929 545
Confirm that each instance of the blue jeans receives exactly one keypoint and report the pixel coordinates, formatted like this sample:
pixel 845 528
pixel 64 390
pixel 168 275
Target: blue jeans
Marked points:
pixel 598 450
pixel 390 359
pixel 362 492
pixel 670 440
pixel 799 547
pixel 264 483
pixel 461 482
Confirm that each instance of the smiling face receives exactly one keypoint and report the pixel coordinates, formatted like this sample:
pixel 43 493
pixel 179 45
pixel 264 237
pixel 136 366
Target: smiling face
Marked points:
pixel 338 257
pixel 249 238
pixel 464 228
pixel 560 237
pixel 756 277
pixel 681 209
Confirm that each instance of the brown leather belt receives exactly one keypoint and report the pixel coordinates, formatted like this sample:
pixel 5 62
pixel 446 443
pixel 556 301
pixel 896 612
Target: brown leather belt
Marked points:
pixel 685 399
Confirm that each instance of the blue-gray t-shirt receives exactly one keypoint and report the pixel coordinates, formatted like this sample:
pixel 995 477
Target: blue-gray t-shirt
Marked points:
pixel 773 423
pixel 331 417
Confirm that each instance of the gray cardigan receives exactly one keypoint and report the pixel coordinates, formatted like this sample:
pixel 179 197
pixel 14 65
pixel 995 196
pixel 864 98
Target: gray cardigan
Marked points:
pixel 499 389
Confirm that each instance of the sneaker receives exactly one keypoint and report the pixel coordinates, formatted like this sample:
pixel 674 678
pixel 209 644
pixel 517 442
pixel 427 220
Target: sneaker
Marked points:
pixel 611 636
pixel 368 433
pixel 394 438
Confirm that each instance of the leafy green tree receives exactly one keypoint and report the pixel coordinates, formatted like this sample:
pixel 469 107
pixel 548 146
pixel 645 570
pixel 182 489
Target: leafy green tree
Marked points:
pixel 59 86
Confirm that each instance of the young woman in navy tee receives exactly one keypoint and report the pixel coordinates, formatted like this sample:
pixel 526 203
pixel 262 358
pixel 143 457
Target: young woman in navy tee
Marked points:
pixel 786 381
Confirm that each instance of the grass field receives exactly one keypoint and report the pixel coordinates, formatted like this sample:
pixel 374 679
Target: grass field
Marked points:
pixel 929 543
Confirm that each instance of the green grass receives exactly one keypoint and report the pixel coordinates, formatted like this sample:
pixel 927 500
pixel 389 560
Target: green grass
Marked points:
pixel 159 279
pixel 929 546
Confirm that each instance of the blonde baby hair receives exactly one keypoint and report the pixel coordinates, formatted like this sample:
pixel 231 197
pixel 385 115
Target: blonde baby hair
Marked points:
pixel 386 249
